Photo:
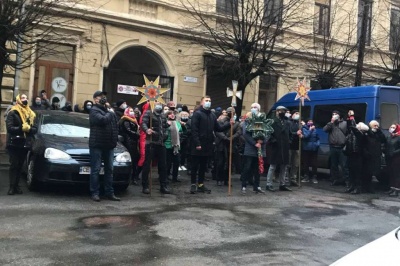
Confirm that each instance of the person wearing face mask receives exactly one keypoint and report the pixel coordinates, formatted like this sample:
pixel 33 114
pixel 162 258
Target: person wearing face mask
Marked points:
pixel 173 145
pixel 203 124
pixel 372 152
pixel 185 141
pixel 103 139
pixel 55 104
pixel 392 156
pixel 20 129
pixel 295 135
pixel 129 129
pixel 288 115
pixel 337 132
pixel 154 124
pixel 166 109
pixel 87 106
pixel 310 145
pixel 120 108
pixel 279 143
pixel 222 147
pixel 37 104
pixel 45 100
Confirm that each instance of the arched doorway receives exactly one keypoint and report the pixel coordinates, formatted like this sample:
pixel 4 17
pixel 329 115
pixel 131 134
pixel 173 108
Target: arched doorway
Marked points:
pixel 127 68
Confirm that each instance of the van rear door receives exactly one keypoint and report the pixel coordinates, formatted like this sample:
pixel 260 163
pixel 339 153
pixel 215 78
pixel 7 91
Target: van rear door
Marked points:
pixel 387 111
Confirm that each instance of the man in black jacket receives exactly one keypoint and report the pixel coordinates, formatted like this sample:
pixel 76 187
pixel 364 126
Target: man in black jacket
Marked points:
pixel 203 123
pixel 102 141
pixel 154 124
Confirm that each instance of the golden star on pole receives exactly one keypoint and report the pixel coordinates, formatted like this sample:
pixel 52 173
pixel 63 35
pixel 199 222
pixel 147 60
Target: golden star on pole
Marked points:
pixel 152 92
pixel 302 91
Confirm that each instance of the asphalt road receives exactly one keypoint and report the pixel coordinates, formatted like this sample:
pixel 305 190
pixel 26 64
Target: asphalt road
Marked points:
pixel 313 225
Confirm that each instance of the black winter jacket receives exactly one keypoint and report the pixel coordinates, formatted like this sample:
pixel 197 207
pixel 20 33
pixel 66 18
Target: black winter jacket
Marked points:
pixel 204 123
pixel 15 136
pixel 103 128
pixel 355 141
pixel 294 138
pixel 158 125
pixel 373 151
pixel 130 132
pixel 279 142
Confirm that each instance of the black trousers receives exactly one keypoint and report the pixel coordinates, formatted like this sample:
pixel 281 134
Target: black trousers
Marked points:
pixel 355 169
pixel 172 162
pixel 199 164
pixel 183 154
pixel 310 159
pixel 250 170
pixel 152 152
pixel 222 173
pixel 17 158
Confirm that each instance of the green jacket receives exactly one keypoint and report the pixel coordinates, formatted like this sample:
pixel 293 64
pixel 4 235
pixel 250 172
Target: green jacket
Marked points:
pixel 168 143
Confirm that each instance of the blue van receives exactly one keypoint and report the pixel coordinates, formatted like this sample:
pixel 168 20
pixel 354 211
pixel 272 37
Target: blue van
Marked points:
pixel 376 102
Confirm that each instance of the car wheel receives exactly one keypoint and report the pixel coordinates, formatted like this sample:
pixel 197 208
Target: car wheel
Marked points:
pixel 30 175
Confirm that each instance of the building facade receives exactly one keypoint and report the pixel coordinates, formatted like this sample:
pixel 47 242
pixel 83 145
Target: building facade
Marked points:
pixel 117 41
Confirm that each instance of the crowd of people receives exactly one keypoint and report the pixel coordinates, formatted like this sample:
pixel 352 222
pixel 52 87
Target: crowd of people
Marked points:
pixel 201 140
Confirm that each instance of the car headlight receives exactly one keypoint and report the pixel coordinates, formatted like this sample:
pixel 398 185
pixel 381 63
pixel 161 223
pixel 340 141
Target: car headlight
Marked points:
pixel 124 157
pixel 51 153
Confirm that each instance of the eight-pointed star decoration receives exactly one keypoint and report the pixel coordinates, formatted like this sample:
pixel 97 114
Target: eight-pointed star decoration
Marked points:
pixel 302 91
pixel 152 92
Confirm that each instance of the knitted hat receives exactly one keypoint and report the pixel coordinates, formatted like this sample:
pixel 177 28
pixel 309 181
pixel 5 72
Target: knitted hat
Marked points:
pixel 120 102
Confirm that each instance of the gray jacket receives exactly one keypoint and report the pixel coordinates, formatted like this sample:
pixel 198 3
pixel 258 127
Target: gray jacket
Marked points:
pixel 337 132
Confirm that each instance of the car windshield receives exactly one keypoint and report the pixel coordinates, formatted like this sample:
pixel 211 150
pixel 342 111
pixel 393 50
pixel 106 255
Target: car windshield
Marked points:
pixel 73 126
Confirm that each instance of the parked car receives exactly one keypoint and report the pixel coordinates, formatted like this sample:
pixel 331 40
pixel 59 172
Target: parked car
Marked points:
pixel 383 251
pixel 60 152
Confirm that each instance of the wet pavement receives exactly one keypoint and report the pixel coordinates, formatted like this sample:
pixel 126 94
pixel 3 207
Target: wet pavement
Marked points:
pixel 313 225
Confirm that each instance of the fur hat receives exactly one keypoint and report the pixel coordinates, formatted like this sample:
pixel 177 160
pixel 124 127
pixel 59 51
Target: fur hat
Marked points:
pixel 362 127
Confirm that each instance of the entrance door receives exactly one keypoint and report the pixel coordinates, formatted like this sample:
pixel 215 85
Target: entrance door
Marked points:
pixel 55 78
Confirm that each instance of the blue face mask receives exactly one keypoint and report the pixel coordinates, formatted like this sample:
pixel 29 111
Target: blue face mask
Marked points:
pixel 254 111
pixel 158 107
pixel 179 110
pixel 207 105
pixel 88 107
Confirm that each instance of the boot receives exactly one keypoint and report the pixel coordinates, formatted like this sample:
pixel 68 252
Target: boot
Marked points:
pixel 11 191
pixel 350 189
pixel 17 190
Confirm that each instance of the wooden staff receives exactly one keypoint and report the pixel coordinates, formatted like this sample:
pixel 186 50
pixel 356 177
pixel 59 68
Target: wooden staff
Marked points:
pixel 150 150
pixel 230 156
pixel 300 126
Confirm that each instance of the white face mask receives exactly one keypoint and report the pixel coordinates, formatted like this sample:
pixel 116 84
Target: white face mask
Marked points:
pixel 335 117
pixel 288 115
pixel 295 117
pixel 391 130
pixel 132 113
pixel 373 129
pixel 124 106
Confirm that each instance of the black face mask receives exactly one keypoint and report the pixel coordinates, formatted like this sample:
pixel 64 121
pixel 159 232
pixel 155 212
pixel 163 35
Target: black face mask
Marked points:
pixel 184 119
pixel 103 100
pixel 172 108
pixel 281 115
pixel 24 102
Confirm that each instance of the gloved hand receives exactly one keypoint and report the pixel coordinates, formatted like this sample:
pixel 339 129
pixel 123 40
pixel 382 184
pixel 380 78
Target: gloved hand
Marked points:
pixel 26 127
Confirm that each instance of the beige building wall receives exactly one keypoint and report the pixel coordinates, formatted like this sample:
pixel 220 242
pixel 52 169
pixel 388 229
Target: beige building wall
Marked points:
pixel 159 26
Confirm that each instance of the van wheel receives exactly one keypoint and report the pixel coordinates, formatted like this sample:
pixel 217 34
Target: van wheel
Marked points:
pixel 31 181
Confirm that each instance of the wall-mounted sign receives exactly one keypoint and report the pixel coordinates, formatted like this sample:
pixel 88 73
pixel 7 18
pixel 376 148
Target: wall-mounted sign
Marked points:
pixel 127 89
pixel 190 79
pixel 59 84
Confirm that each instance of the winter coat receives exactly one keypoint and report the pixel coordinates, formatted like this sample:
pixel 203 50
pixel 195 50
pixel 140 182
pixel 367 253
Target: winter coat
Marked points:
pixel 119 112
pixel 279 142
pixel 204 123
pixel 35 107
pixel 294 138
pixel 186 133
pixel 249 144
pixel 130 132
pixel 158 125
pixel 355 142
pixel 168 141
pixel 337 132
pixel 373 151
pixel 222 139
pixel 103 128
pixel 310 140
pixel 392 147
pixel 15 136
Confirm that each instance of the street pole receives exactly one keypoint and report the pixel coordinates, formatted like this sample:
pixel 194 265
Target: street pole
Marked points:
pixel 362 42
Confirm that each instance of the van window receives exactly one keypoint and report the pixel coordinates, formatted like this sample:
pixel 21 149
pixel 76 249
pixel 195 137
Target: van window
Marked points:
pixel 389 114
pixel 323 113
pixel 305 111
